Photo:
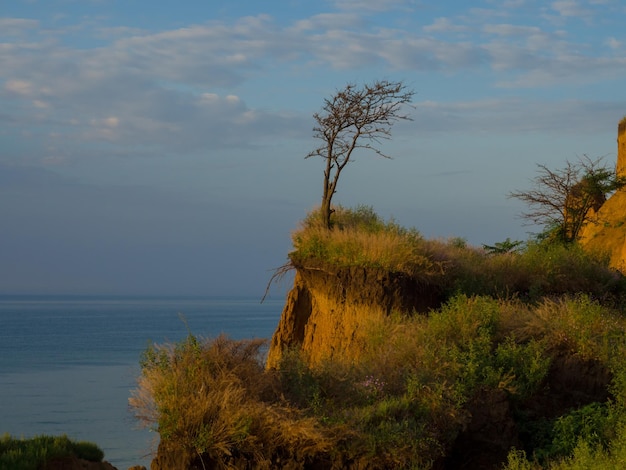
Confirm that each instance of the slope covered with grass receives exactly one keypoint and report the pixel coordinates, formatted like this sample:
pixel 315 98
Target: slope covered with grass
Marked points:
pixel 523 364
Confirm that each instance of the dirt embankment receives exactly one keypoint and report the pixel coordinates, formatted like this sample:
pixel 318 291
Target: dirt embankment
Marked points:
pixel 328 310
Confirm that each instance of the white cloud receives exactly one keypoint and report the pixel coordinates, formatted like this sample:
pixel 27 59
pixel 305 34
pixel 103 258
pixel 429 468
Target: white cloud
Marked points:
pixel 511 30
pixel 514 115
pixel 111 122
pixel 614 43
pixel 182 89
pixel 570 8
pixel 40 104
pixel 19 87
pixel 325 22
pixel 444 25
pixel 370 5
pixel 513 3
pixel 16 26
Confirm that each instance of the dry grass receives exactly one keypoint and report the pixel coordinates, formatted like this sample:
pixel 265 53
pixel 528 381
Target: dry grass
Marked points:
pixel 579 325
pixel 360 238
pixel 213 399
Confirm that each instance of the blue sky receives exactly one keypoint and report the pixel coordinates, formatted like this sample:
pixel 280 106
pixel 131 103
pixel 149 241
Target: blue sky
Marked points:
pixel 158 147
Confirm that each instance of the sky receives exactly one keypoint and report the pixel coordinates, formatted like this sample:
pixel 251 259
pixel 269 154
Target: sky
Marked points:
pixel 157 147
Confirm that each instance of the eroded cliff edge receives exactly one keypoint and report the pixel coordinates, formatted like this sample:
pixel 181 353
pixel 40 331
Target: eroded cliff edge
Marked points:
pixel 330 310
pixel 606 232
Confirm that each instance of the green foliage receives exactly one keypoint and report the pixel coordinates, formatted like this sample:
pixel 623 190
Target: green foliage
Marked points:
pixel 300 384
pixel 500 248
pixel 516 460
pixel 583 325
pixel 593 424
pixel 585 456
pixel 30 454
pixel 434 366
pixel 360 238
pixel 540 269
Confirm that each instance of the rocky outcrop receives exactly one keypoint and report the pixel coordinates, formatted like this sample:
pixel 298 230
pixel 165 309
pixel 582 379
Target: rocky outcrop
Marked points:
pixel 329 312
pixel 606 232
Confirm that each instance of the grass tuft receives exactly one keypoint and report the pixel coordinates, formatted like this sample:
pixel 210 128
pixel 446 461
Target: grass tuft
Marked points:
pixel 32 453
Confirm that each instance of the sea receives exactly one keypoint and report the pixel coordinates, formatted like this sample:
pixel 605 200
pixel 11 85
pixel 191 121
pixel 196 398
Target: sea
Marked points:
pixel 68 364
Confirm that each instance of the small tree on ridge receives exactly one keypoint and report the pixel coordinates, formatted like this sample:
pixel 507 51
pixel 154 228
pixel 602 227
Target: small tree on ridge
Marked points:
pixel 565 200
pixel 355 118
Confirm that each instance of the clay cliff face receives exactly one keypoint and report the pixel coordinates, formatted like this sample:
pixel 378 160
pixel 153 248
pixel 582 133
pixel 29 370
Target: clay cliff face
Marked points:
pixel 330 312
pixel 607 232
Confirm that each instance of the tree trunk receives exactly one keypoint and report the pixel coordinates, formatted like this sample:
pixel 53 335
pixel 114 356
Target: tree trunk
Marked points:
pixel 325 212
pixel 327 194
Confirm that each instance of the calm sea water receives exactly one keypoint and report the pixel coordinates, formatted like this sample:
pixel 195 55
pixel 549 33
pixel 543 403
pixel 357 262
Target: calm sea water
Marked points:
pixel 68 364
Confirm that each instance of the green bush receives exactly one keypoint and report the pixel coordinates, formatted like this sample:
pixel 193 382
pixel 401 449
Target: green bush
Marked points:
pixel 30 454
pixel 540 269
pixel 359 237
pixel 594 424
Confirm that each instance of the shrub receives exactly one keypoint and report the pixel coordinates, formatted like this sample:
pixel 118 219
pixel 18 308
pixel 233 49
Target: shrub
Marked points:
pixel 212 398
pixel 360 238
pixel 594 424
pixel 31 454
pixel 581 325
pixel 541 269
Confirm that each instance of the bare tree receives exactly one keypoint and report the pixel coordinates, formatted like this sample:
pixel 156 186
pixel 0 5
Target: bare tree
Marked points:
pixel 565 200
pixel 355 118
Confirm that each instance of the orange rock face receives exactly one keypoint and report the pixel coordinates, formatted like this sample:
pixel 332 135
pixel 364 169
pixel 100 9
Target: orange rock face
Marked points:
pixel 607 233
pixel 330 313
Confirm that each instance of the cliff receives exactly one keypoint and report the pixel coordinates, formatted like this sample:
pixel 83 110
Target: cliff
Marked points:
pixel 329 311
pixel 606 233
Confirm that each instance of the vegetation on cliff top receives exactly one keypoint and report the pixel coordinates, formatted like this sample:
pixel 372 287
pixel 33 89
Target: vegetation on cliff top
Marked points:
pixel 359 237
pixel 513 322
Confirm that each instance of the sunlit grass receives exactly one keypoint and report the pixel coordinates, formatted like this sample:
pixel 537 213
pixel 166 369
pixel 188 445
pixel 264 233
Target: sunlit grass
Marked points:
pixel 213 399
pixel 360 238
